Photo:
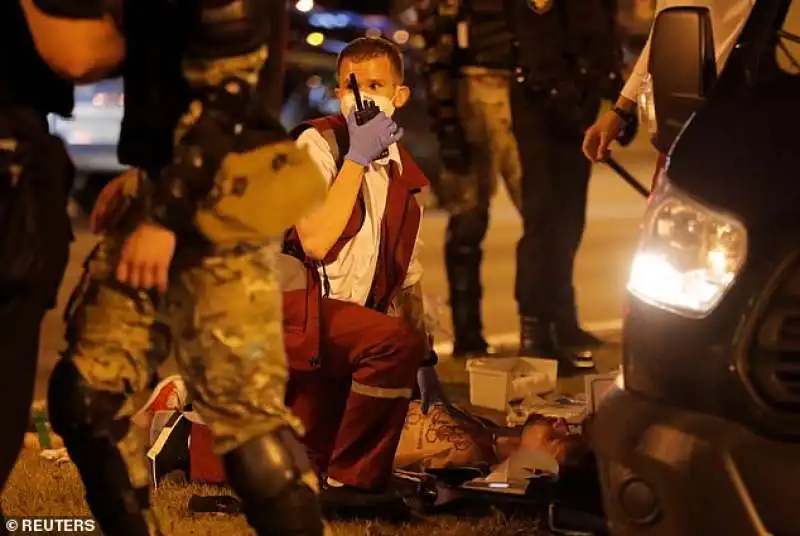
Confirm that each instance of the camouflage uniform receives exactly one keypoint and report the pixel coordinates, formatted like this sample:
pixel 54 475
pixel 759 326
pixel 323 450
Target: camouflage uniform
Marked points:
pixel 484 109
pixel 221 319
pixel 230 185
pixel 469 91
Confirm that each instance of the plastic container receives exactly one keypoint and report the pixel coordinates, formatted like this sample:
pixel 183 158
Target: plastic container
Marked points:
pixel 495 382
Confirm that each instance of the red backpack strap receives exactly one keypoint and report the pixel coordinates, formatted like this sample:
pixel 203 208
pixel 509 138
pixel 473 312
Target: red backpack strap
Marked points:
pixel 333 130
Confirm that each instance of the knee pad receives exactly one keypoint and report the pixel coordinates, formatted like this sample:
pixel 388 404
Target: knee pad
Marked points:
pixel 76 407
pixel 467 230
pixel 272 476
pixel 269 464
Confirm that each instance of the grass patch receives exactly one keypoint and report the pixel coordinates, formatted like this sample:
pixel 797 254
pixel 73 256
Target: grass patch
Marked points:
pixel 39 487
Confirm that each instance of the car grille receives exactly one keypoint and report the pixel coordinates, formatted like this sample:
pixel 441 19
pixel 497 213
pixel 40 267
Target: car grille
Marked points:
pixel 775 354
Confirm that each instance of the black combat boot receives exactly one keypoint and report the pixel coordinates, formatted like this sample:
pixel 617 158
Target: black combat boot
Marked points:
pixel 467 327
pixel 571 334
pixel 464 279
pixel 351 503
pixel 542 338
pixel 569 329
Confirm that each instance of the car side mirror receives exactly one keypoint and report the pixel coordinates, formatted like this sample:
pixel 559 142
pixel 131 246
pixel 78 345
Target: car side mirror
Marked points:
pixel 683 67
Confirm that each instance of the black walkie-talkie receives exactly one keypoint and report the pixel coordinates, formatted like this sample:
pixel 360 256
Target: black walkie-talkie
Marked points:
pixel 364 110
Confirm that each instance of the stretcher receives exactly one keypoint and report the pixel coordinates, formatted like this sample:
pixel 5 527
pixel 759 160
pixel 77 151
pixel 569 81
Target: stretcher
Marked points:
pixel 541 497
pixel 528 483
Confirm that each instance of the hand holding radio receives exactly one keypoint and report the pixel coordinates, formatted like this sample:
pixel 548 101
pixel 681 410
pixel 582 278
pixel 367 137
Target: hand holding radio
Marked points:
pixel 371 131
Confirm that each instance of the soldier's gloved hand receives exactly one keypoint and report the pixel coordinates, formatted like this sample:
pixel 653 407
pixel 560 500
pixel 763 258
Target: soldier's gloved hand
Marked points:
pixel 369 140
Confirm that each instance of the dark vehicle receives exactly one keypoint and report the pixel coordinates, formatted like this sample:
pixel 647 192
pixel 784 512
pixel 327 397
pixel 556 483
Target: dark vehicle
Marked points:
pixel 702 434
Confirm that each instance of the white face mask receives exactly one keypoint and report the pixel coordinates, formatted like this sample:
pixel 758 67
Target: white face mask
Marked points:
pixel 348 103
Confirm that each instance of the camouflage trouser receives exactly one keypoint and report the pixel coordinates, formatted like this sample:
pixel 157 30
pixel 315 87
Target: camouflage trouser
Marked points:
pixel 222 317
pixel 483 105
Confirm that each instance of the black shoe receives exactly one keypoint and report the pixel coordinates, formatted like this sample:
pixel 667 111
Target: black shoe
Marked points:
pixel 535 339
pixel 539 338
pixel 472 348
pixel 348 502
pixel 464 281
pixel 572 334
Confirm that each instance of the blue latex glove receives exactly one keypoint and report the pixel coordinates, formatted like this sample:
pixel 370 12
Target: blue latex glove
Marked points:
pixel 430 388
pixel 369 140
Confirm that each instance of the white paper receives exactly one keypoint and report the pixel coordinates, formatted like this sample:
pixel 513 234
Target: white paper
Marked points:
pixel 572 412
pixel 526 384
pixel 162 438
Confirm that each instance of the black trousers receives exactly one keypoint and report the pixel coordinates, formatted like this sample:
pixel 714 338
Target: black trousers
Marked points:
pixel 19 346
pixel 554 188
pixel 23 306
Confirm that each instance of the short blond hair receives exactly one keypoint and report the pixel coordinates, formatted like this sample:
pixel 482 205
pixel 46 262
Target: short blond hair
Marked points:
pixel 367 48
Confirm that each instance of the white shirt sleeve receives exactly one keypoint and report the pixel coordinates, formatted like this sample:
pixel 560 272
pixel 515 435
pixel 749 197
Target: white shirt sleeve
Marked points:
pixel 414 273
pixel 320 153
pixel 631 89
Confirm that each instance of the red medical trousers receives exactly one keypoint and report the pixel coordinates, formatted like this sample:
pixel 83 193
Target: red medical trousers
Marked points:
pixel 354 406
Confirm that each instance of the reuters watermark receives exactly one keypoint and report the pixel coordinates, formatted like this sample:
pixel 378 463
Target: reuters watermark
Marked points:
pixel 51 525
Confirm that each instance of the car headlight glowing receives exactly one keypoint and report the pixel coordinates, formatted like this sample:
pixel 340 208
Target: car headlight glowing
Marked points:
pixel 646 105
pixel 688 255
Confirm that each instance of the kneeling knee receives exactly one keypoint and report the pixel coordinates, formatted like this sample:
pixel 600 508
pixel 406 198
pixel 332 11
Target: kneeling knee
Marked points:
pixel 277 485
pixel 269 464
pixel 74 405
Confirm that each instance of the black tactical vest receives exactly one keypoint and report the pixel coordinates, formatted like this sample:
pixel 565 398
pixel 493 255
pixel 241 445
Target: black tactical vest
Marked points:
pixel 25 79
pixel 156 94
pixel 489 35
pixel 558 40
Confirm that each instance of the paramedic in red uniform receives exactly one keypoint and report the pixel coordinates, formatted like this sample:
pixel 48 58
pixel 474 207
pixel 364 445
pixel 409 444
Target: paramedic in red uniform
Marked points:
pixel 356 336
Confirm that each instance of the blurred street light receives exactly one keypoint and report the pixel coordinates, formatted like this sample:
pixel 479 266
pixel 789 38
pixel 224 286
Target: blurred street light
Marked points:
pixel 401 37
pixel 304 5
pixel 315 39
pixel 373 32
pixel 418 42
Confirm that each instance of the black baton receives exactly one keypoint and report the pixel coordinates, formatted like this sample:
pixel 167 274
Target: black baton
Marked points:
pixel 626 175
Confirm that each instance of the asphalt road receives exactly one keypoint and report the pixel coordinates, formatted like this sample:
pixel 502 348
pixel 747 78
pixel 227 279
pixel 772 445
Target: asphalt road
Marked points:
pixel 613 214
pixel 602 266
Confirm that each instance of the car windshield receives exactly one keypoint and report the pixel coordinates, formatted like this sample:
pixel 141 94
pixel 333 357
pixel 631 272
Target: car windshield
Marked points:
pixel 787 53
